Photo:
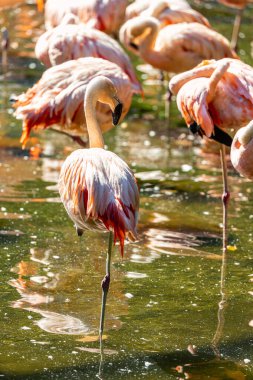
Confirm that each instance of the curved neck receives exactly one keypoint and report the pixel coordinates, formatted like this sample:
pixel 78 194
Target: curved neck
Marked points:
pixel 149 27
pixel 95 135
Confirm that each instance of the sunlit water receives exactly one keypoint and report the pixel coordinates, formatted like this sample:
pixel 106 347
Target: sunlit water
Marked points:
pixel 163 317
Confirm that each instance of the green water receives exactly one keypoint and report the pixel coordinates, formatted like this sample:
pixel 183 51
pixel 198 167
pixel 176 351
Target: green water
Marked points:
pixel 162 313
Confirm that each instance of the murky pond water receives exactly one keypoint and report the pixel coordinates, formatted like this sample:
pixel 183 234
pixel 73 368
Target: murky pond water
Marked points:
pixel 167 316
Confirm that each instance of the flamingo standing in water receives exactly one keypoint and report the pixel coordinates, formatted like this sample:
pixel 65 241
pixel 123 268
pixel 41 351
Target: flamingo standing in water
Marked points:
pixel 212 97
pixel 71 41
pixel 175 48
pixel 105 15
pixel 97 188
pixel 56 101
pixel 239 5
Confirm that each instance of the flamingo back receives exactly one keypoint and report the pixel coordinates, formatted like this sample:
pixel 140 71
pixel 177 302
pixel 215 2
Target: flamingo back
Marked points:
pixel 99 192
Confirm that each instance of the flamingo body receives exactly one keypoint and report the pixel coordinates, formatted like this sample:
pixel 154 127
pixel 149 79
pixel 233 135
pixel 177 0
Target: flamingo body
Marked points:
pixel 100 193
pixel 230 102
pixel 239 4
pixel 67 42
pixel 57 99
pixel 137 7
pixel 105 15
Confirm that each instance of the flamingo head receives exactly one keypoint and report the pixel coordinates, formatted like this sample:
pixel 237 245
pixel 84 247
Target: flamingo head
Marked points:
pixel 242 151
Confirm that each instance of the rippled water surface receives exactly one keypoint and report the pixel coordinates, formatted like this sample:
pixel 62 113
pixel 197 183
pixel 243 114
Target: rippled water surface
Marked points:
pixel 163 316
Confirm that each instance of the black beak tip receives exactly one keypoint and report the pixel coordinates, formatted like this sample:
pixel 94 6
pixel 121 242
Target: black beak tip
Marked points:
pixel 117 113
pixel 221 136
pixel 134 46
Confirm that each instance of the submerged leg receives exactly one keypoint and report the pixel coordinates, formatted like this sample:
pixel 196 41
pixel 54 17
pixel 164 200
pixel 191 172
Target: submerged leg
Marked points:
pixel 105 288
pixel 236 28
pixel 225 198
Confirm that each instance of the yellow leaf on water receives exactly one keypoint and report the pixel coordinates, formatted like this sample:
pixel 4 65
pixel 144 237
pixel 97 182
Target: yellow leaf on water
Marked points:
pixel 231 247
pixel 91 338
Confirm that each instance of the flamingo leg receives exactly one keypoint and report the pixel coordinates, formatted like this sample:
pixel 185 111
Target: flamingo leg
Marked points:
pixel 236 28
pixel 5 46
pixel 105 288
pixel 225 198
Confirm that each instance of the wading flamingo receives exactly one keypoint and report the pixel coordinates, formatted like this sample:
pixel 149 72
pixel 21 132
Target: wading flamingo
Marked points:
pixel 66 42
pixel 239 5
pixel 214 95
pixel 105 15
pixel 175 48
pixel 56 100
pixel 242 151
pixel 97 188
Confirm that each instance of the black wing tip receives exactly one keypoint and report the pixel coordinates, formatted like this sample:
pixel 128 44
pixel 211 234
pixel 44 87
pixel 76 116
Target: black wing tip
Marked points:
pixel 221 136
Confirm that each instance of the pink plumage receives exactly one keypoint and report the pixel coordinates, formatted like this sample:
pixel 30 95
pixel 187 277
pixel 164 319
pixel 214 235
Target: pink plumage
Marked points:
pixel 100 193
pixel 242 151
pixel 105 15
pixel 57 99
pixel 67 42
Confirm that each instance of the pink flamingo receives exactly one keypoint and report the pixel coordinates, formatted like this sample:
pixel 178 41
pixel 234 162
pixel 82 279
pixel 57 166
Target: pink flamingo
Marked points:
pixel 66 42
pixel 97 188
pixel 242 151
pixel 105 15
pixel 212 97
pixel 56 101
pixel 175 48
pixel 239 5
pixel 138 6
pixel 167 14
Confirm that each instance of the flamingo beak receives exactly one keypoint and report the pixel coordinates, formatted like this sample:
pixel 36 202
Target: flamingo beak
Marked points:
pixel 134 46
pixel 218 134
pixel 116 115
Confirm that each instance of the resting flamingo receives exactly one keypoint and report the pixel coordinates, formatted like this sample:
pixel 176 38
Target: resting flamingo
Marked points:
pixel 105 15
pixel 239 5
pixel 97 188
pixel 167 15
pixel 175 48
pixel 138 6
pixel 71 41
pixel 212 97
pixel 56 100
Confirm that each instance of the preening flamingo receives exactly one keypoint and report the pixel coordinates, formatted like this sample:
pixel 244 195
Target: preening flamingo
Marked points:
pixel 66 42
pixel 242 151
pixel 97 188
pixel 56 101
pixel 175 48
pixel 105 15
pixel 214 95
pixel 239 5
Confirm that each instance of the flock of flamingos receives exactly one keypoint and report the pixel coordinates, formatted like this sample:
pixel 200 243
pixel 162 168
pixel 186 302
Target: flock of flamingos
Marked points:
pixel 88 87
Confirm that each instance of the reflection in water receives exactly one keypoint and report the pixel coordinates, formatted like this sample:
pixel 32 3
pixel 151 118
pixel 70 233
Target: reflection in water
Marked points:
pixel 222 305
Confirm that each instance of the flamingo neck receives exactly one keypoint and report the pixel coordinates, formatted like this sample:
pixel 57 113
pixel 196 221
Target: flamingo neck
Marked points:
pixel 94 131
pixel 150 27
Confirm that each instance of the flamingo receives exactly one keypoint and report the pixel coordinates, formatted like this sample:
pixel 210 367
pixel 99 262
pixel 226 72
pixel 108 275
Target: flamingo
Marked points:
pixel 239 5
pixel 66 42
pixel 242 151
pixel 167 14
pixel 212 97
pixel 105 15
pixel 56 100
pixel 97 188
pixel 175 48
pixel 138 6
